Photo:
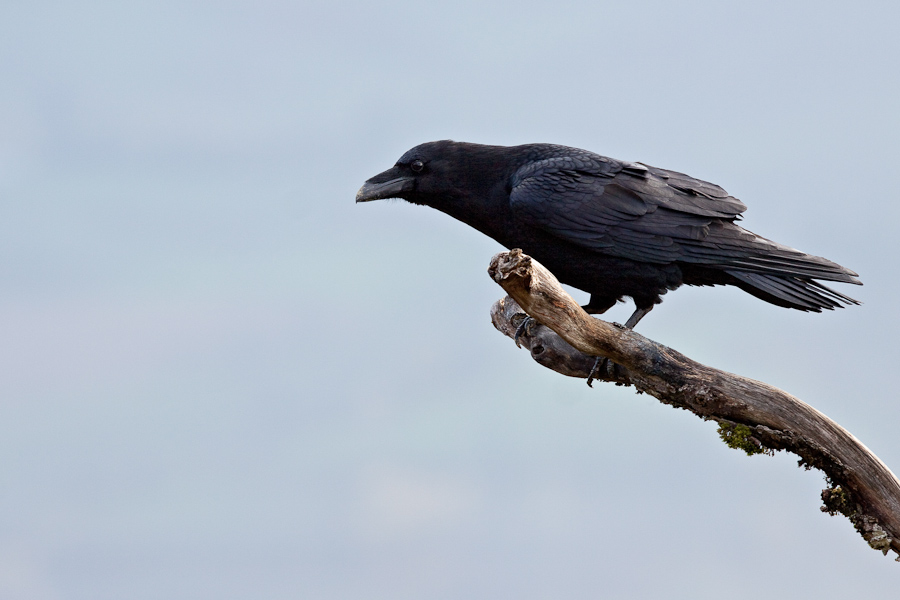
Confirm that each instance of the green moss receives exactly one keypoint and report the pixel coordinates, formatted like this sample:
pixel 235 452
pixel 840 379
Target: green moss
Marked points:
pixel 837 500
pixel 740 437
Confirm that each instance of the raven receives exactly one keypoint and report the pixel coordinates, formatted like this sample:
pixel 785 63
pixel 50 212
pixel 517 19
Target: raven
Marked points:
pixel 608 227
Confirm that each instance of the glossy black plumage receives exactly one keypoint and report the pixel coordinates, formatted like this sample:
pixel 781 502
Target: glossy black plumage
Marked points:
pixel 608 227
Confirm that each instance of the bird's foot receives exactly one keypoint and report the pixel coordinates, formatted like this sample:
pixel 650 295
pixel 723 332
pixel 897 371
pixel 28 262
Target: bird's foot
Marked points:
pixel 524 327
pixel 600 365
pixel 595 370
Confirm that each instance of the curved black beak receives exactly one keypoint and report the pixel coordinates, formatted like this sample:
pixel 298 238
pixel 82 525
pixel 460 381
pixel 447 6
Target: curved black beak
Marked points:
pixel 390 184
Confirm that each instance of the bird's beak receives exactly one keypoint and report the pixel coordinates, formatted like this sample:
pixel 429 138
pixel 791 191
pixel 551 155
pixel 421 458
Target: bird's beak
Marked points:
pixel 390 184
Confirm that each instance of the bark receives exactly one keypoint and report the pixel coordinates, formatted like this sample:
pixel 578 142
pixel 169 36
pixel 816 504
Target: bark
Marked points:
pixel 752 416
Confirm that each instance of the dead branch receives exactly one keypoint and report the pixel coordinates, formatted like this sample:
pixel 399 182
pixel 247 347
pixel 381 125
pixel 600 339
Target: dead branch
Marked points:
pixel 752 415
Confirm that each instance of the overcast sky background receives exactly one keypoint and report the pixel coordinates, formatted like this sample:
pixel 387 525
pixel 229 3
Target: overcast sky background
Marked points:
pixel 220 378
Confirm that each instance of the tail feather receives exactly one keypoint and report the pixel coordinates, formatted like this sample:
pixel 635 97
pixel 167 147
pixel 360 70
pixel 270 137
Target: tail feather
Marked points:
pixel 803 267
pixel 790 291
pixel 737 250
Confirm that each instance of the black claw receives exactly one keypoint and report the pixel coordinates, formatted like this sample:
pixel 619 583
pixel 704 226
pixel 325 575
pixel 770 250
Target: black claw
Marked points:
pixel 596 370
pixel 612 369
pixel 521 329
pixel 600 365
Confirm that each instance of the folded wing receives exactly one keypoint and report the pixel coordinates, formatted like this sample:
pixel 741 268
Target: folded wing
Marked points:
pixel 645 214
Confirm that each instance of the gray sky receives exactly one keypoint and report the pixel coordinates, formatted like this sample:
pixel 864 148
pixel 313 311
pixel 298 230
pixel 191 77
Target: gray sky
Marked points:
pixel 222 379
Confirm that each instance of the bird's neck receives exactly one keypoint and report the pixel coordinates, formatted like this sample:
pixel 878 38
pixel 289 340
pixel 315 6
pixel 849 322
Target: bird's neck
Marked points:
pixel 488 212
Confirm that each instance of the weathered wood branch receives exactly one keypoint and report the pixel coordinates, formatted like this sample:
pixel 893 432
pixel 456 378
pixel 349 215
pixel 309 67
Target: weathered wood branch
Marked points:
pixel 753 416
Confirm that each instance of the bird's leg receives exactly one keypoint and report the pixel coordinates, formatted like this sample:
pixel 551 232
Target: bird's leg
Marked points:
pixel 523 326
pixel 636 316
pixel 602 361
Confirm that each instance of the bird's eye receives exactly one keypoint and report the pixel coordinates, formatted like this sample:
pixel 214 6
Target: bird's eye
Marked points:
pixel 416 165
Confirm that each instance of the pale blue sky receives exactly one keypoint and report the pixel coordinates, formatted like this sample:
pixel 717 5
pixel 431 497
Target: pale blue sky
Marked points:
pixel 220 378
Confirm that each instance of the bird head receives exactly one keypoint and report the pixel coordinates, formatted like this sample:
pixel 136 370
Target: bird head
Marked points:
pixel 437 174
pixel 419 176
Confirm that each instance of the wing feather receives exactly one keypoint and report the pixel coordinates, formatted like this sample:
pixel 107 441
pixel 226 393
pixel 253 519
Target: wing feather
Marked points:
pixel 646 214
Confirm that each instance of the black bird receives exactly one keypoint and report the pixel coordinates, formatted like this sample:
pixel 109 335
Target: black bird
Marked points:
pixel 608 227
